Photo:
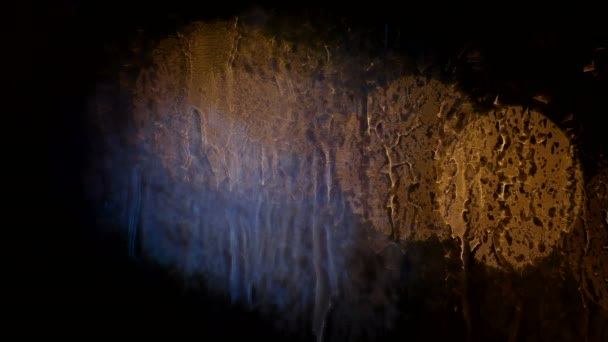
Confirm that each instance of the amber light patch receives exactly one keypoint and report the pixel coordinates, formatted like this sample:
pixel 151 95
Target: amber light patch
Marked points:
pixel 514 189
pixel 408 125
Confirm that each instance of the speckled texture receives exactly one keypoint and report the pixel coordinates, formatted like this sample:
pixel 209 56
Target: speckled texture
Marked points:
pixel 512 187
pixel 407 126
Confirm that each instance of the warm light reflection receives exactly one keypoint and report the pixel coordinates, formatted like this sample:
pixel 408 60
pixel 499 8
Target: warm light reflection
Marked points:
pixel 283 172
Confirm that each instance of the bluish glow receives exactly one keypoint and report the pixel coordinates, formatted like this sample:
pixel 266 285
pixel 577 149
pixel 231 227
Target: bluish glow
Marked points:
pixel 287 245
pixel 134 209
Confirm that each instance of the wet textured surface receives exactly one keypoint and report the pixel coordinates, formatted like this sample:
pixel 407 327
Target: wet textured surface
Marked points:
pixel 512 187
pixel 587 246
pixel 409 125
pixel 238 137
pixel 326 175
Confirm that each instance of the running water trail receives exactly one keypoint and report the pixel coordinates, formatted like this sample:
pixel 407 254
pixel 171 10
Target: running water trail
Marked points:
pixel 242 189
pixel 134 210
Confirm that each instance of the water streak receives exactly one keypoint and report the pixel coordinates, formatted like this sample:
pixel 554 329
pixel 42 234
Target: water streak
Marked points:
pixel 134 209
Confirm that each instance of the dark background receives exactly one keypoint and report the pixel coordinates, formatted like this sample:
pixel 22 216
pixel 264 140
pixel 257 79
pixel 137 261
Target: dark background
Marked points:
pixel 67 277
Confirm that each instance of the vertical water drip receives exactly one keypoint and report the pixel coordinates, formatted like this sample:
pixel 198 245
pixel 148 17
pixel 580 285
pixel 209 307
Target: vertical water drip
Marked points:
pixel 257 240
pixel 236 171
pixel 331 267
pixel 297 242
pixel 246 231
pixel 222 245
pixel 266 260
pixel 328 176
pixel 332 221
pixel 134 210
pixel 203 233
pixel 234 255
pixel 201 122
pixel 194 257
pixel 321 291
